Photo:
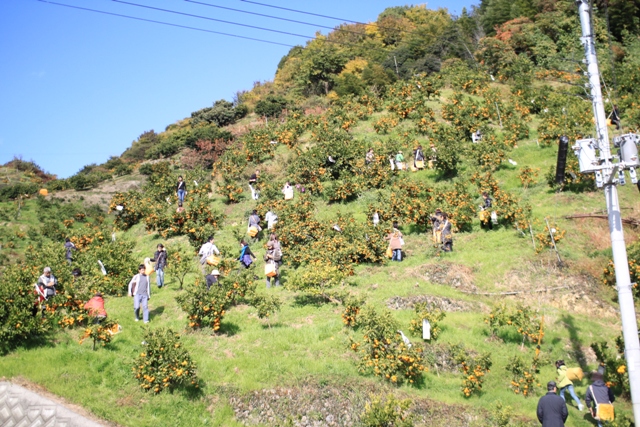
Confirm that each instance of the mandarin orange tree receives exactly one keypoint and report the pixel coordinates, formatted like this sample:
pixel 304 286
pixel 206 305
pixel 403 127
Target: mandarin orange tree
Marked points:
pixel 207 307
pixel 465 114
pixel 257 143
pixel 18 303
pixel 433 316
pixel 615 364
pixel 488 153
pixel 128 207
pixel 524 376
pixel 352 306
pixel 164 364
pixel 474 370
pixel 522 318
pixel 458 75
pixel 509 208
pixel 101 332
pixel 544 237
pixel 382 351
pixel 229 170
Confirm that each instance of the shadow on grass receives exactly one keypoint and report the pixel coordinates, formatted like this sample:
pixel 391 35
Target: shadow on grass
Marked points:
pixel 30 343
pixel 272 325
pixel 303 300
pixel 229 329
pixel 576 344
pixel 156 311
pixel 192 391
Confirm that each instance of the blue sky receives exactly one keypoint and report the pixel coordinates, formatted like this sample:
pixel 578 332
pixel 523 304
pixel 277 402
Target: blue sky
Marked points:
pixel 77 87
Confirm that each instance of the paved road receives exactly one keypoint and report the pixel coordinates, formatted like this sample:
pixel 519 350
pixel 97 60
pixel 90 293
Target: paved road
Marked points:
pixel 20 407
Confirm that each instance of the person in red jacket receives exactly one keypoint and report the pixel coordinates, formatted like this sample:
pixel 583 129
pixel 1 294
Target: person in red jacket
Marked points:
pixel 95 307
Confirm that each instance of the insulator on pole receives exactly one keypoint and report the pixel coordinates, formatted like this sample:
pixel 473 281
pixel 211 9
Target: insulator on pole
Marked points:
pixel 563 148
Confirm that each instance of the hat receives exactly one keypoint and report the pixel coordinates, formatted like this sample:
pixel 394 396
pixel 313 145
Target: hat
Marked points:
pixel 551 385
pixel 47 270
pixel 215 273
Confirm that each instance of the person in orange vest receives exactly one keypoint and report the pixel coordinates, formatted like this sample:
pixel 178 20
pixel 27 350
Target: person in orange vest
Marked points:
pixel 95 307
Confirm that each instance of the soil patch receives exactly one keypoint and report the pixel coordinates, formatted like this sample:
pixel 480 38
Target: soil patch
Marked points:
pixel 433 302
pixel 446 273
pixel 337 405
pixel 575 293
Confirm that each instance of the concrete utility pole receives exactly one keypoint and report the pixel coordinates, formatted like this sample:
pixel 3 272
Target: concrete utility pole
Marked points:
pixel 608 175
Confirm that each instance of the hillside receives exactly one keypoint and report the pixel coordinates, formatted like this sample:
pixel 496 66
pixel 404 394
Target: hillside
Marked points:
pixel 323 349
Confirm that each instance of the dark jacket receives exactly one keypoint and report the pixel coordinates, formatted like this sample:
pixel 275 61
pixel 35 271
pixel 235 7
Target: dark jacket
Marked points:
pixel 552 410
pixel 211 280
pixel 181 185
pixel 598 392
pixel 160 258
pixel 446 236
pixel 487 203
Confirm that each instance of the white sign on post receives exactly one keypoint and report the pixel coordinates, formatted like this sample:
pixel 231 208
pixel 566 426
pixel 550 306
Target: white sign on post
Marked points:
pixel 426 329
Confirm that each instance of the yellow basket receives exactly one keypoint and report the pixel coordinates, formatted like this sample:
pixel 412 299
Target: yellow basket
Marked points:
pixel 575 374
pixel 213 260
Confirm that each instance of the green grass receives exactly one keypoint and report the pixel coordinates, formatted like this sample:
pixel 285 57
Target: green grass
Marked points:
pixel 307 344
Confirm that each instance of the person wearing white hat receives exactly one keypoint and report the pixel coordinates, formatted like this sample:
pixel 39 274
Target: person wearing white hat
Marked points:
pixel 212 278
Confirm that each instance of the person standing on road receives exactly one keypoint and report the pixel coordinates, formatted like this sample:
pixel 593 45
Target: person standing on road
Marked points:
pixel 140 290
pixel 552 410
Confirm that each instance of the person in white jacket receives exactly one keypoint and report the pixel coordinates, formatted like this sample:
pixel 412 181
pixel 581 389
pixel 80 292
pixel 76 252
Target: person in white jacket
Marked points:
pixel 207 250
pixel 140 290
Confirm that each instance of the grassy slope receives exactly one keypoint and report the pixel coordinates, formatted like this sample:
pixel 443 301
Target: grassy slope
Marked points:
pixel 307 343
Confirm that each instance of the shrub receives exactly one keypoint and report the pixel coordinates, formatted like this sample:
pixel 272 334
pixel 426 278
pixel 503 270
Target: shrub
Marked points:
pixel 271 106
pixel 123 169
pixel 146 168
pixel 387 412
pixel 163 363
pixel 58 185
pixel 222 113
pixel 11 192
pixel 266 305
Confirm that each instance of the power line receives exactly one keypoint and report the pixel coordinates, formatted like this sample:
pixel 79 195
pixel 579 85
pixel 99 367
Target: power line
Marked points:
pixel 213 19
pixel 326 16
pixel 270 16
pixel 165 23
pixel 243 25
pixel 303 12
